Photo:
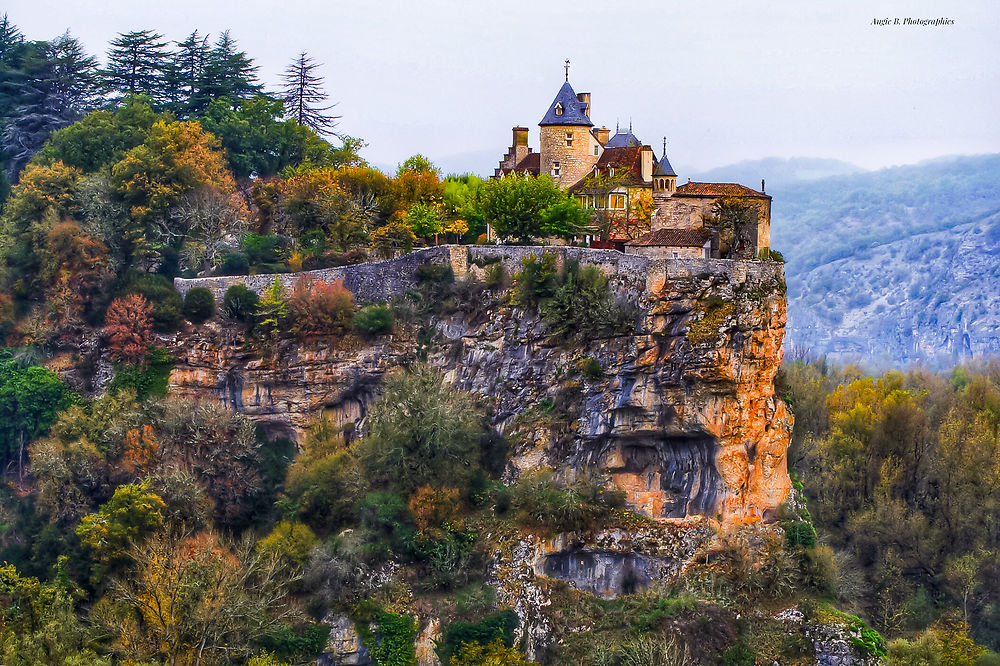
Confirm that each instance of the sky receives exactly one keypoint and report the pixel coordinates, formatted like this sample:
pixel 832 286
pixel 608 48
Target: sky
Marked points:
pixel 724 80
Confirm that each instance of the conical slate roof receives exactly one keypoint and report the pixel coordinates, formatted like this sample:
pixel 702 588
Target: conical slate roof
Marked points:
pixel 663 167
pixel 573 110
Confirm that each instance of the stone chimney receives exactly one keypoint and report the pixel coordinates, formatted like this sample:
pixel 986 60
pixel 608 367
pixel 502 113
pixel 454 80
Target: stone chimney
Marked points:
pixel 585 99
pixel 602 134
pixel 520 144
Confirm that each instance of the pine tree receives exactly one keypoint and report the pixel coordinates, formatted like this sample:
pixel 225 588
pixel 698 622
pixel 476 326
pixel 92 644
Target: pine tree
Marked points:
pixel 137 65
pixel 11 41
pixel 303 94
pixel 230 72
pixel 186 75
pixel 57 85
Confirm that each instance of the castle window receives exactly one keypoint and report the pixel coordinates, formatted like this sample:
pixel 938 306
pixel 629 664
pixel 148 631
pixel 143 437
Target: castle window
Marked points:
pixel 569 138
pixel 677 255
pixel 555 169
pixel 611 172
pixel 595 150
pixel 559 108
pixel 616 201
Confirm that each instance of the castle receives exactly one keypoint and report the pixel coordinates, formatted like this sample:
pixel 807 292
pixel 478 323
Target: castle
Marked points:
pixel 618 175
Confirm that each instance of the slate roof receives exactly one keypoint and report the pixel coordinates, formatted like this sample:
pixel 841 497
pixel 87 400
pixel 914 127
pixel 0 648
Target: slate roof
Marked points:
pixel 663 168
pixel 622 140
pixel 574 111
pixel 673 238
pixel 718 190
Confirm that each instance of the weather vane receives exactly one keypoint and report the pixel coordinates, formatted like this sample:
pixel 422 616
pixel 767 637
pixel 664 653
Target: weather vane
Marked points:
pixel 567 68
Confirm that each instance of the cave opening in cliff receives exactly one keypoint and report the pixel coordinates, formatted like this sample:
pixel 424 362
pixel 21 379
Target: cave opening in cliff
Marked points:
pixel 677 469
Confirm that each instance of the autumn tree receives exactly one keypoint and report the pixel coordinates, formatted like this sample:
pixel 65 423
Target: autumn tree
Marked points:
pixel 316 307
pixel 129 327
pixel 304 96
pixel 734 219
pixel 193 599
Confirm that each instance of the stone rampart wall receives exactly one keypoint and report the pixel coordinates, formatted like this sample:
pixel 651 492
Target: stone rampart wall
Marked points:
pixel 632 275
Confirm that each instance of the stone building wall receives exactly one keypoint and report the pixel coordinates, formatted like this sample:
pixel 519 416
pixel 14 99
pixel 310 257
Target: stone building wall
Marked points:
pixel 575 161
pixel 630 274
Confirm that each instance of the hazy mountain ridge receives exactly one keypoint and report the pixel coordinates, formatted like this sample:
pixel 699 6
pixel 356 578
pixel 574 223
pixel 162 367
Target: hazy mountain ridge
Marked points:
pixel 894 266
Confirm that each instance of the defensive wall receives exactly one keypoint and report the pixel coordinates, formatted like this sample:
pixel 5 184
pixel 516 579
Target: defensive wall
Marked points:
pixel 631 275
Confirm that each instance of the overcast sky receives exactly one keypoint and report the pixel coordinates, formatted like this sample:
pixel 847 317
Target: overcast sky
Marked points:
pixel 725 81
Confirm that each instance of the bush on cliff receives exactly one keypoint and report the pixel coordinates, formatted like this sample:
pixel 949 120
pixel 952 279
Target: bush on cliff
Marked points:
pixel 539 501
pixel 159 291
pixel 373 320
pixel 422 432
pixel 240 303
pixel 316 307
pixel 199 305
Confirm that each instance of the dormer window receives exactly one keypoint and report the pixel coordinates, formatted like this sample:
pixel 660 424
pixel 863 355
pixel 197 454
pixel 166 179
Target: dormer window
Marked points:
pixel 569 138
pixel 559 108
pixel 611 172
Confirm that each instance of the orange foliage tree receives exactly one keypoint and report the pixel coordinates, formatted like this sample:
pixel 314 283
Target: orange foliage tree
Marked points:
pixel 129 325
pixel 316 307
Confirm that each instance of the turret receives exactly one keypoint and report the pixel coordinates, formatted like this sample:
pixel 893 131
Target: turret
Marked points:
pixel 664 177
pixel 568 149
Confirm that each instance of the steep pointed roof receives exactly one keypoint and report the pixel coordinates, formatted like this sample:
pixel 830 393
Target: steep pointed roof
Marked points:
pixel 623 140
pixel 573 110
pixel 663 167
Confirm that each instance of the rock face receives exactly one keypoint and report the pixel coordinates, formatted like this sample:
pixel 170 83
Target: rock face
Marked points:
pixel 682 414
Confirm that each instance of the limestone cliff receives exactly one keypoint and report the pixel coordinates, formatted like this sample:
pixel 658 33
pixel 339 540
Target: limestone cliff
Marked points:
pixel 682 415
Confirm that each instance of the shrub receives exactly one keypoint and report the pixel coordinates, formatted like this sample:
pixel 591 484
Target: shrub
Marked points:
pixel 199 305
pixel 373 320
pixel 800 534
pixel 236 263
pixel 240 303
pixel 317 307
pixel 422 432
pixel 159 291
pixel 147 379
pixel 272 310
pixel 591 368
pixel 129 325
pixel 581 304
pixel 394 643
pixel 539 502
pixel 924 650
pixel 476 654
pixel 291 542
pixel 536 280
pixel 499 626
pixel 262 249
pixel 496 276
pixel 767 254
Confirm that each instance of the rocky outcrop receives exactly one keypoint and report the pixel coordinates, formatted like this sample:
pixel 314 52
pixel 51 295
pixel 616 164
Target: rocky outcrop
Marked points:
pixel 682 413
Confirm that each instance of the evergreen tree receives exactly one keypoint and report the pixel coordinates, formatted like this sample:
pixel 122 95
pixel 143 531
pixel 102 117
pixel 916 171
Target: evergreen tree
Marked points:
pixel 11 41
pixel 56 87
pixel 137 65
pixel 303 96
pixel 229 72
pixel 186 75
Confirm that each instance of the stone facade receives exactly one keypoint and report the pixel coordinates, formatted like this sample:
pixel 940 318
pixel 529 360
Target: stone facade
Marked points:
pixel 574 147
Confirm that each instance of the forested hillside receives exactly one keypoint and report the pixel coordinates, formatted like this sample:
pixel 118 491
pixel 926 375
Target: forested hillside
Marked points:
pixel 895 266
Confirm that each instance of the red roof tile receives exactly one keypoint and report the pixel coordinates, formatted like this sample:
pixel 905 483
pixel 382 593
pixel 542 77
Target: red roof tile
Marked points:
pixel 673 238
pixel 718 190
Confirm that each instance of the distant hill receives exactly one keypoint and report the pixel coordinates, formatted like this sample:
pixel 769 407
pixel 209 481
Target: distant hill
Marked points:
pixel 894 266
pixel 777 171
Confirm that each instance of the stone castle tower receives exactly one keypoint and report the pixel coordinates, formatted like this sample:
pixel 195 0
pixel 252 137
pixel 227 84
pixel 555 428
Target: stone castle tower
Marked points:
pixel 568 148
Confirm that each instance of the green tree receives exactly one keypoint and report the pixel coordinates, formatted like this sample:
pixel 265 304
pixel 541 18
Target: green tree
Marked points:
pixel 30 400
pixel 304 96
pixel 526 208
pixel 137 65
pixel 422 432
pixel 132 514
pixel 39 625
